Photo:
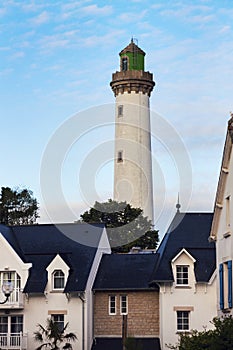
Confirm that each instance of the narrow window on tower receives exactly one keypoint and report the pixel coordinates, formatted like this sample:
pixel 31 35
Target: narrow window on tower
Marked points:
pixel 120 111
pixel 120 157
pixel 228 223
pixel 124 63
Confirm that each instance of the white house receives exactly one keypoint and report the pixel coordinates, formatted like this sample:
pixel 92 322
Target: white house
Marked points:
pixel 186 276
pixel 221 231
pixel 52 269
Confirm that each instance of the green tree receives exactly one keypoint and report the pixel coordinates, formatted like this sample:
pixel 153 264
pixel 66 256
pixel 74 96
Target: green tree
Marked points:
pixel 126 226
pixel 17 206
pixel 52 336
pixel 218 338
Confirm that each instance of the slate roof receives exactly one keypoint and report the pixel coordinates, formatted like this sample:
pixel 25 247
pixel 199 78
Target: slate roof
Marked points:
pixel 116 344
pixel 125 272
pixel 190 231
pixel 39 244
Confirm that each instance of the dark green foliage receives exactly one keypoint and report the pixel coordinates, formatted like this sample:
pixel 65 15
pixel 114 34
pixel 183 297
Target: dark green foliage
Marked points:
pixel 17 207
pixel 219 338
pixel 126 226
pixel 52 336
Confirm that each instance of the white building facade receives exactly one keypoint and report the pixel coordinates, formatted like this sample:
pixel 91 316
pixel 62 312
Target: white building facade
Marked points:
pixel 221 231
pixel 53 285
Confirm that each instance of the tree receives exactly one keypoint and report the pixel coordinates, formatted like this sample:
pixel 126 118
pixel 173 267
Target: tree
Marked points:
pixel 219 338
pixel 126 226
pixel 17 206
pixel 52 336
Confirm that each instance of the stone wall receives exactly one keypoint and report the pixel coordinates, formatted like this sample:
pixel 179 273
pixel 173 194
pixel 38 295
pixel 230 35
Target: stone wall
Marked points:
pixel 142 319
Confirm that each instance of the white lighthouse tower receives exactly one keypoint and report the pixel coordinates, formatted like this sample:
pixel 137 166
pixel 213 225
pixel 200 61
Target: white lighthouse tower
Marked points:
pixel 132 87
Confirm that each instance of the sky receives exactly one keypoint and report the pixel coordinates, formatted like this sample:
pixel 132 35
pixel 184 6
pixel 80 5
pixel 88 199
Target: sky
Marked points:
pixel 57 107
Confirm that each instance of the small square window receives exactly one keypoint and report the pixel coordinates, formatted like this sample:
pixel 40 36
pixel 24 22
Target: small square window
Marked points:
pixel 124 305
pixel 182 275
pixel 112 305
pixel 183 320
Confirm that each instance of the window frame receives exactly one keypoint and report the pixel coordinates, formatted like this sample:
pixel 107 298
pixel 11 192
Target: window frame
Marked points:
pixel 124 304
pixel 112 305
pixel 183 320
pixel 58 278
pixel 225 285
pixel 124 63
pixel 60 323
pixel 182 276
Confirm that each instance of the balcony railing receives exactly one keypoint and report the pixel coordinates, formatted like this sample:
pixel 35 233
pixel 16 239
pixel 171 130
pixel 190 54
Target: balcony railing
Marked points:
pixel 14 341
pixel 15 300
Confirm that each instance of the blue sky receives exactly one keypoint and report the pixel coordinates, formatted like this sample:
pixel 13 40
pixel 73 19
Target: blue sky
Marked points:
pixel 57 58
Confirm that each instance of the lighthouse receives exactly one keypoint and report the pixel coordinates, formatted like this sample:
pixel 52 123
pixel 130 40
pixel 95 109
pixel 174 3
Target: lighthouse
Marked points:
pixel 132 87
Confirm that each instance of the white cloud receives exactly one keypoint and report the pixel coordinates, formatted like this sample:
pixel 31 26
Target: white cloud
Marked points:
pixel 6 72
pixel 42 18
pixel 130 17
pixel 95 10
pixel 19 54
pixel 225 29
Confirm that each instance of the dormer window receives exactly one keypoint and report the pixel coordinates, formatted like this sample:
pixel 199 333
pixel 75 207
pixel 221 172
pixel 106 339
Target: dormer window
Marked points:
pixel 124 63
pixel 58 279
pixel 182 274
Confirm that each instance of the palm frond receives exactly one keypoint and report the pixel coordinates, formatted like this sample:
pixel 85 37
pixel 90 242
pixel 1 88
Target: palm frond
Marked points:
pixel 67 346
pixel 38 337
pixel 70 336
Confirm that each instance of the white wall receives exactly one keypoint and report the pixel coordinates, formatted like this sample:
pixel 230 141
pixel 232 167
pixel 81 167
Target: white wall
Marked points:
pixel 199 297
pixel 133 177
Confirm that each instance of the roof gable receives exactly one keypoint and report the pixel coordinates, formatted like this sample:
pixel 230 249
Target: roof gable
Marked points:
pixel 225 166
pixel 183 251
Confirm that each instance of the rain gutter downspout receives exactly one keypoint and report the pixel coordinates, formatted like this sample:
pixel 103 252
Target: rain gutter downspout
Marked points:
pixel 82 298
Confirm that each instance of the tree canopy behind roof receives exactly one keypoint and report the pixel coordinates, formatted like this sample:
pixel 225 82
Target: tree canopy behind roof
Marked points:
pixel 126 226
pixel 18 206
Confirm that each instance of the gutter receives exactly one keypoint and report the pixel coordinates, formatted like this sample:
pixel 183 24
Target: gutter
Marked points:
pixel 82 298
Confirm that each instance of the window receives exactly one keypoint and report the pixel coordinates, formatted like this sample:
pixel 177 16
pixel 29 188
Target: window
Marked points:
pixel 124 63
pixel 16 324
pixel 182 320
pixel 59 320
pixel 3 324
pixel 120 111
pixel 182 275
pixel 225 285
pixel 124 304
pixel 120 157
pixel 58 279
pixel 112 305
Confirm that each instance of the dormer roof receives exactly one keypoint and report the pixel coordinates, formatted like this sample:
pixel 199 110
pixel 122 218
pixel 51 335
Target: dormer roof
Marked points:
pixel 189 231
